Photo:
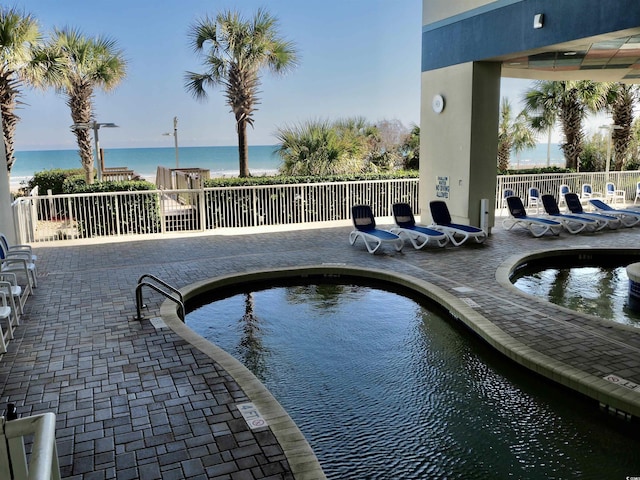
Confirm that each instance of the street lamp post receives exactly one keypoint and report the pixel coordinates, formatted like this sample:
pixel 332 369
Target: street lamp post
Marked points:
pixel 175 139
pixel 609 129
pixel 95 126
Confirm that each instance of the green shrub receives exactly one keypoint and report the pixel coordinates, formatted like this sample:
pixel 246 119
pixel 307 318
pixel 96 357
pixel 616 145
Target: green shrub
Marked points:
pixel 288 180
pixel 52 180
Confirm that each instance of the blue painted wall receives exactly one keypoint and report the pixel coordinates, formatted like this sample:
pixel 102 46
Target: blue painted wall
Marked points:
pixel 506 26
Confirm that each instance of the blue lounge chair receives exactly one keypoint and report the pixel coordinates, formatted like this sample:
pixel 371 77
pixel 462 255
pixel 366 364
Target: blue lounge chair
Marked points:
pixel 537 226
pixel 575 207
pixel 628 217
pixel 365 228
pixel 418 235
pixel 457 233
pixel 572 223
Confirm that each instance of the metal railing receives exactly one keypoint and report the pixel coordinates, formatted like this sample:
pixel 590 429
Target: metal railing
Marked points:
pixel 42 462
pixel 550 183
pixel 43 218
pixel 162 288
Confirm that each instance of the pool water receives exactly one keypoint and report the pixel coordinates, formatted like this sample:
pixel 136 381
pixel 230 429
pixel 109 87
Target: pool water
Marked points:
pixel 599 291
pixel 386 388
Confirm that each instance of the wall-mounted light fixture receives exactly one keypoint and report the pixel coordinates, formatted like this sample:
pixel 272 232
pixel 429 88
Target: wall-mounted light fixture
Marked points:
pixel 538 20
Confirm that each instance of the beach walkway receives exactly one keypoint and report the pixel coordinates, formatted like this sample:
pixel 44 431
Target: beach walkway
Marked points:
pixel 135 401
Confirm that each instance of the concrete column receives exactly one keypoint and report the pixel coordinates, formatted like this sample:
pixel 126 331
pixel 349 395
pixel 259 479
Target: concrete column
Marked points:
pixel 6 215
pixel 458 145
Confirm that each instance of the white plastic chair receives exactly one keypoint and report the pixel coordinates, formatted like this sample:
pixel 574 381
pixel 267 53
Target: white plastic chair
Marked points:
pixel 16 248
pixel 613 195
pixel 562 191
pixel 19 263
pixel 506 193
pixel 637 193
pixel 534 199
pixel 9 285
pixel 5 314
pixel 587 192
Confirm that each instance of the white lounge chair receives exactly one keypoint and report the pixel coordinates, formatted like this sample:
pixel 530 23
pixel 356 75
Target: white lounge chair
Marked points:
pixel 418 235
pixel 572 223
pixel 629 218
pixel 575 207
pixel 457 233
pixel 537 226
pixel 365 228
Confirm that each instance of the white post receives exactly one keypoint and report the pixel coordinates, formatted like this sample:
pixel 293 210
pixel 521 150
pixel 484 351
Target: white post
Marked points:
pixel 175 139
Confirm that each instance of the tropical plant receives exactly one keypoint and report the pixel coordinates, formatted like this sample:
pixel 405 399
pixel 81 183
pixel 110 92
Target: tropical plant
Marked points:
pixel 621 99
pixel 234 51
pixel 634 147
pixel 569 102
pixel 593 157
pixel 513 134
pixel 19 35
pixel 320 147
pixel 410 149
pixel 87 64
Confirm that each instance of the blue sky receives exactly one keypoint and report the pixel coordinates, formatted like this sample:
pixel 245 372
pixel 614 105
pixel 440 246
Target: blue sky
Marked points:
pixel 357 58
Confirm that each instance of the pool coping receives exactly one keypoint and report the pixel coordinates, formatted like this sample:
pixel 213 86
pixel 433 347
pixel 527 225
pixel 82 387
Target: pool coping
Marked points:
pixel 302 460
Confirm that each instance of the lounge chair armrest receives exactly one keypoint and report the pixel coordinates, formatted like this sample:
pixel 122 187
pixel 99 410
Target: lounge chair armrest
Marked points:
pixel 18 254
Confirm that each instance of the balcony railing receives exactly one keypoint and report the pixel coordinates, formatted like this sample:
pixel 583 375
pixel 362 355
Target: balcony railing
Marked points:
pixel 42 218
pixel 58 217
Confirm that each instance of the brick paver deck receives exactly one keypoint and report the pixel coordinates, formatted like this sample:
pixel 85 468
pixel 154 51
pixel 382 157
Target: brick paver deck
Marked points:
pixel 133 401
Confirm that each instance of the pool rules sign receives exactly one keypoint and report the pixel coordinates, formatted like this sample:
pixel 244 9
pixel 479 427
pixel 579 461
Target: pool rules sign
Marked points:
pixel 442 187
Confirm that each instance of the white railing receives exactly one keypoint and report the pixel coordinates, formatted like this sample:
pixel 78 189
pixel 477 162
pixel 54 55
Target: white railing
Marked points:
pixel 550 183
pixel 42 462
pixel 41 218
pixel 59 217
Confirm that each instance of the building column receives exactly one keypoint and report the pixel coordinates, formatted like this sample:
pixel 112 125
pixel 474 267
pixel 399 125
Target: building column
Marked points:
pixel 458 139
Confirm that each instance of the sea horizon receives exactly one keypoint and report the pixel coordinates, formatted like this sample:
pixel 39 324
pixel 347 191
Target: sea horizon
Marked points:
pixel 221 161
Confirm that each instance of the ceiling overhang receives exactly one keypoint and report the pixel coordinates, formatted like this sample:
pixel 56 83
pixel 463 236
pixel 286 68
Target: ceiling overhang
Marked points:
pixel 614 57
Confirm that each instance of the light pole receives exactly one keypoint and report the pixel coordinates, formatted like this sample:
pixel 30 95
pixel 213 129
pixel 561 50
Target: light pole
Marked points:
pixel 175 139
pixel 610 129
pixel 95 126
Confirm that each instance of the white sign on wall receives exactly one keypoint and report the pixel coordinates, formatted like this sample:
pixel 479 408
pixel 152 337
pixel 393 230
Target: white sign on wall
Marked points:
pixel 442 187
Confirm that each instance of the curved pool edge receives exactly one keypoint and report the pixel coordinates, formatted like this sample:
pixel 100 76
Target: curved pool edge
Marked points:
pixel 615 397
pixel 302 460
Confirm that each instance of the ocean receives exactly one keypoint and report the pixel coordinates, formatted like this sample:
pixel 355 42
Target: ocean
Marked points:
pixel 221 161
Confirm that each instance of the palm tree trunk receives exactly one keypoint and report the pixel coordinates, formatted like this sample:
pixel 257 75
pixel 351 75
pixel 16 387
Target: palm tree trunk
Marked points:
pixel 85 152
pixel 243 148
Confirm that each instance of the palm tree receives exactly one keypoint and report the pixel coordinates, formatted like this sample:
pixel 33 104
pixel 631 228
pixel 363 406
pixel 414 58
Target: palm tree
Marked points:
pixel 89 64
pixel 19 34
pixel 621 99
pixel 320 147
pixel 233 51
pixel 513 134
pixel 569 102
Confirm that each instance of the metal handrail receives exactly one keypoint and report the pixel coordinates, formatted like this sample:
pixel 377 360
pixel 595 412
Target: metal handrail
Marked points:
pixel 168 294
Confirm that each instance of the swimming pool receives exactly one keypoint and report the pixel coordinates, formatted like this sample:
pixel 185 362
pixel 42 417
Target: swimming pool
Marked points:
pixel 387 387
pixel 596 284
